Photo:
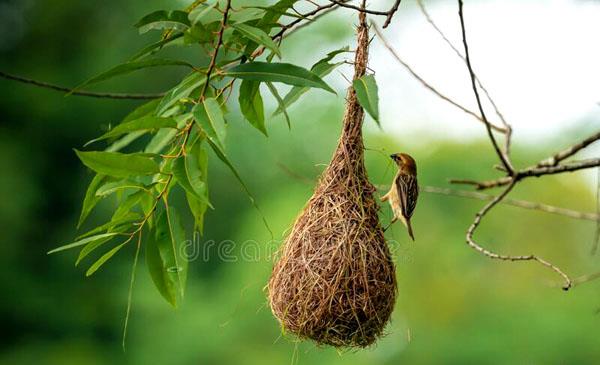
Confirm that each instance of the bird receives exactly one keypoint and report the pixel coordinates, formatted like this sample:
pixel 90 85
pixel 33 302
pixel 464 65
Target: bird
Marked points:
pixel 404 191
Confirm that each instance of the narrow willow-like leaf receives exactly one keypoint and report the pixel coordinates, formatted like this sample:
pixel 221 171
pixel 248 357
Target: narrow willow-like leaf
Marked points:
pixel 251 104
pixel 197 165
pixel 125 141
pixel 257 35
pixel 90 200
pixel 90 247
pixel 160 258
pixel 129 67
pixel 366 92
pixel 270 19
pixel 221 155
pixel 118 164
pixel 125 206
pixel 209 117
pixel 183 90
pixel 114 225
pixel 321 68
pixel 115 186
pixel 146 124
pixel 82 242
pixel 163 19
pixel 107 256
pixel 156 46
pixel 278 72
pixel 178 243
pixel 202 10
pixel 185 171
pixel 280 102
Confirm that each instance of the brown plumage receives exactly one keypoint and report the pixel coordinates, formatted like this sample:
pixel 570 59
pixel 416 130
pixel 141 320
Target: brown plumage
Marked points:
pixel 404 191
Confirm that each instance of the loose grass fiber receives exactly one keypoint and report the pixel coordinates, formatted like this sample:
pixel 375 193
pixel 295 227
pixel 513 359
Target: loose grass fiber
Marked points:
pixel 334 281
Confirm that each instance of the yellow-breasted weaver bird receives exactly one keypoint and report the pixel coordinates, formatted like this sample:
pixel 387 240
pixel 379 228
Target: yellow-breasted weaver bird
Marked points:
pixel 404 191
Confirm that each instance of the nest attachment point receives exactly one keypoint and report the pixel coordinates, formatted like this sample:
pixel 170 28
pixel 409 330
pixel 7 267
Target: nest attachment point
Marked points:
pixel 334 281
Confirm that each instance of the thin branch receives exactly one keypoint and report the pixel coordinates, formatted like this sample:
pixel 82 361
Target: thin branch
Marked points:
pixel 213 60
pixel 391 12
pixel 513 202
pixel 504 158
pixel 596 241
pixel 585 278
pixel 92 94
pixel 477 247
pixel 388 14
pixel 566 153
pixel 530 172
pixel 507 126
pixel 425 83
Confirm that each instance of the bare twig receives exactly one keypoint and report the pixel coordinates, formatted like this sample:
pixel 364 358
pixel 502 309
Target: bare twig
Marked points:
pixel 585 278
pixel 471 242
pixel 534 171
pixel 596 241
pixel 502 155
pixel 425 83
pixel 213 60
pixel 388 14
pixel 507 126
pixel 514 202
pixel 568 152
pixel 92 94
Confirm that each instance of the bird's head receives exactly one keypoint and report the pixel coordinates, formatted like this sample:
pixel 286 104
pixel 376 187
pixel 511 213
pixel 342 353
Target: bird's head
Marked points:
pixel 405 163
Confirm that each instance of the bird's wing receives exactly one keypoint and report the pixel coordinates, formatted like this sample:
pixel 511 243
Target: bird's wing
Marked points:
pixel 408 191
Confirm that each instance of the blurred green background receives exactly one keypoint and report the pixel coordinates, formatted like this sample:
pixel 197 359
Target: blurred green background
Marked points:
pixel 454 306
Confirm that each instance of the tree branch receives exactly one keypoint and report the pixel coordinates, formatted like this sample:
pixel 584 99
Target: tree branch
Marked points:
pixel 388 14
pixel 477 247
pixel 213 59
pixel 92 94
pixel 507 126
pixel 504 158
pixel 514 202
pixel 395 54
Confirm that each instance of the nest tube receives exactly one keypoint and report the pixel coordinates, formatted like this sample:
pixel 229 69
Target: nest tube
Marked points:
pixel 334 280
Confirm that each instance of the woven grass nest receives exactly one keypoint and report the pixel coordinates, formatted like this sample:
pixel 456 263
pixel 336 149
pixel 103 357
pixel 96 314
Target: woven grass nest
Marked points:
pixel 334 280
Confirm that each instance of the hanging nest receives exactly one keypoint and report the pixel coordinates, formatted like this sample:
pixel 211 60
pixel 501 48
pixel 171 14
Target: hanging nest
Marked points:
pixel 334 281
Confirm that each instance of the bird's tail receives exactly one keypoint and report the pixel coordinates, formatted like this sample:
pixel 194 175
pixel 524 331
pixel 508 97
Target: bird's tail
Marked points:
pixel 410 231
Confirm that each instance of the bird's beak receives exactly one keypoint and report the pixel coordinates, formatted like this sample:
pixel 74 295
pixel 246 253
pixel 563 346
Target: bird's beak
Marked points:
pixel 393 157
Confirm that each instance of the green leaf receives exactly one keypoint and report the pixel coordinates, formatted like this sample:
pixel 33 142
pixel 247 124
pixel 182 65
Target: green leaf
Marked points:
pixel 118 164
pixel 209 117
pixel 114 186
pixel 163 19
pixel 113 225
pixel 197 162
pixel 251 104
pixel 126 205
pixel 188 175
pixel 90 200
pixel 280 102
pixel 96 265
pixel 278 72
pixel 124 142
pixel 321 68
pixel 366 92
pixel 257 35
pixel 90 247
pixel 183 90
pixel 201 11
pixel 129 67
pixel 221 155
pixel 162 259
pixel 156 46
pixel 146 123
pixel 82 242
